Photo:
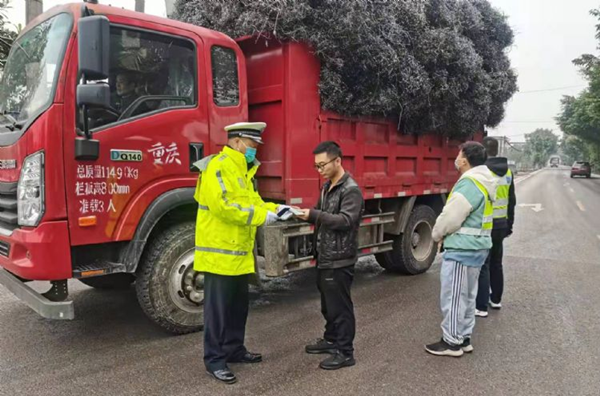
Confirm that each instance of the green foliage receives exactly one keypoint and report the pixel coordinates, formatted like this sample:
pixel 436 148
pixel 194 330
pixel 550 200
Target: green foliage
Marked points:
pixel 540 145
pixel 7 36
pixel 580 116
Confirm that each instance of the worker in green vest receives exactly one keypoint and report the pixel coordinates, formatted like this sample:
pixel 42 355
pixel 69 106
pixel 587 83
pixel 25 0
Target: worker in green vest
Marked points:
pixel 464 228
pixel 492 276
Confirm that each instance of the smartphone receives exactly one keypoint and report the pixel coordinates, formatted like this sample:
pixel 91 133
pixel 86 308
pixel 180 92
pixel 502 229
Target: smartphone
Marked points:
pixel 297 212
pixel 282 212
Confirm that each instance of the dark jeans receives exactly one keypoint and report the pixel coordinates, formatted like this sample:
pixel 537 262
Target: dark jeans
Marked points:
pixel 491 276
pixel 225 314
pixel 337 307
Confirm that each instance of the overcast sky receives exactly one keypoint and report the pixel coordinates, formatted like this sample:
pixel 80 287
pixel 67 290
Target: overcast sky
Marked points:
pixel 549 34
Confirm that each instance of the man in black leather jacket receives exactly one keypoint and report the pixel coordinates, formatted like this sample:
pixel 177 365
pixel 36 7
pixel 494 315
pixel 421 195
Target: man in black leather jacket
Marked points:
pixel 337 219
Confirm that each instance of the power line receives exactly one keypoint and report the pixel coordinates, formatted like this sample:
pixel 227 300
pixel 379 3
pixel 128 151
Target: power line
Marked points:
pixel 552 89
pixel 530 122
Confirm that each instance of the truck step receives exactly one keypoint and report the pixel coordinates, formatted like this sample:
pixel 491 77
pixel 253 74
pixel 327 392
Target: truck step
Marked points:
pixel 97 269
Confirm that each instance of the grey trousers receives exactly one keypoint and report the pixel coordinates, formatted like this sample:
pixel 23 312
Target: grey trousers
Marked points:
pixel 457 300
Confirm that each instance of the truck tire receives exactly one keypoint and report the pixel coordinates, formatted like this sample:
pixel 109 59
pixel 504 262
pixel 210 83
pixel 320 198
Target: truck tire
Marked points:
pixel 414 250
pixel 168 289
pixel 120 281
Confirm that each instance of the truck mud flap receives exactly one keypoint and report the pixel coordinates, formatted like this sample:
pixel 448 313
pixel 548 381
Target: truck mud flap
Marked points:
pixel 48 309
pixel 282 243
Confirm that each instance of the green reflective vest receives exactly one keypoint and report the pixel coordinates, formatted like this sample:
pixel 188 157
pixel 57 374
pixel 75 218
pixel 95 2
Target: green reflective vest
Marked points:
pixel 502 191
pixel 487 218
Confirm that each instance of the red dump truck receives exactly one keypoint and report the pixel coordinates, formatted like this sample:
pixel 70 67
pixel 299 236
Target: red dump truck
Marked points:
pixel 103 113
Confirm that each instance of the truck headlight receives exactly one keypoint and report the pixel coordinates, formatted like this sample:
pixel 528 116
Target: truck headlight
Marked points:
pixel 30 191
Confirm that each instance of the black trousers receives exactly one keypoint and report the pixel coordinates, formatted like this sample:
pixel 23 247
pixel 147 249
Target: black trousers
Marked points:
pixel 225 315
pixel 492 276
pixel 337 307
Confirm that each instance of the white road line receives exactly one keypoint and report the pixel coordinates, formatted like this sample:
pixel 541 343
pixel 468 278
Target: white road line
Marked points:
pixel 517 181
pixel 581 207
pixel 573 191
pixel 598 236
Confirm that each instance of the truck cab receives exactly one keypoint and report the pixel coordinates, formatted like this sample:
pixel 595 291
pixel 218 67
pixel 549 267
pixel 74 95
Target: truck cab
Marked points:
pixel 169 89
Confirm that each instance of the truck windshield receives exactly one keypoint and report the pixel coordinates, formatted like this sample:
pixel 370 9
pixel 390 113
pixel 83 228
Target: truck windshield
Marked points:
pixel 32 70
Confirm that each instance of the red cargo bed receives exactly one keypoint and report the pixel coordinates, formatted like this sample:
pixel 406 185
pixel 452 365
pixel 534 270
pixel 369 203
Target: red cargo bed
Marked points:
pixel 283 92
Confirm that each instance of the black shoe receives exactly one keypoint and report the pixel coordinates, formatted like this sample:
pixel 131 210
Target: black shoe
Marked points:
pixel 442 348
pixel 466 346
pixel 225 375
pixel 337 361
pixel 321 346
pixel 248 357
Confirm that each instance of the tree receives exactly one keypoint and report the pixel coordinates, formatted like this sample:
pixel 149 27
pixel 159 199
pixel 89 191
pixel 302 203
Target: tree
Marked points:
pixel 573 149
pixel 540 145
pixel 580 115
pixel 7 36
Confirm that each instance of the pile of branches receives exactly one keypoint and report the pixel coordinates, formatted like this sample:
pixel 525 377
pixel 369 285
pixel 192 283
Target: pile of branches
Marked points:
pixel 434 65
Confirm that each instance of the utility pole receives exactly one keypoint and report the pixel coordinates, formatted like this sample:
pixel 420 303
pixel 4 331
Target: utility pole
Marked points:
pixel 140 5
pixel 170 7
pixel 33 8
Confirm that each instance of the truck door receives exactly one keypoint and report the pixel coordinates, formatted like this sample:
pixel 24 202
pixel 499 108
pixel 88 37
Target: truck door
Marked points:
pixel 150 137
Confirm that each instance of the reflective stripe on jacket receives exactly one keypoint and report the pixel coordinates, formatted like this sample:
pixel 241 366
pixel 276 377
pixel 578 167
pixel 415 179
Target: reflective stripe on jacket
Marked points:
pixel 502 193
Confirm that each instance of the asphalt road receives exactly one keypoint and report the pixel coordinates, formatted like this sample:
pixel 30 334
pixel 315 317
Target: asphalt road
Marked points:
pixel 543 342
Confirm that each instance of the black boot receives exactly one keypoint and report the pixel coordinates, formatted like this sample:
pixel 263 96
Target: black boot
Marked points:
pixel 337 361
pixel 224 375
pixel 321 346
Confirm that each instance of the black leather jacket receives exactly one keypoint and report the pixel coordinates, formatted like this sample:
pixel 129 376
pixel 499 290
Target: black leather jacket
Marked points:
pixel 337 219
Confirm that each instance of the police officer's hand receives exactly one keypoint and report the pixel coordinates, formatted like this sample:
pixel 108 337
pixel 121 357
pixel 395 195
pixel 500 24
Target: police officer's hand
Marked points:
pixel 271 218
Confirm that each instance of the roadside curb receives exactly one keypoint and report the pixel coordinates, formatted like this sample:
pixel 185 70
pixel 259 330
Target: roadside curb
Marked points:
pixel 517 181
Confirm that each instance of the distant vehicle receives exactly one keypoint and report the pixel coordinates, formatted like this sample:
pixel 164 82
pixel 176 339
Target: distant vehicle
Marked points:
pixel 512 165
pixel 554 162
pixel 581 168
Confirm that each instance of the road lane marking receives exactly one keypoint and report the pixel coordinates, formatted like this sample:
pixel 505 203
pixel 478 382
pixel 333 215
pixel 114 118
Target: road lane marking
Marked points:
pixel 537 207
pixel 598 236
pixel 570 189
pixel 581 207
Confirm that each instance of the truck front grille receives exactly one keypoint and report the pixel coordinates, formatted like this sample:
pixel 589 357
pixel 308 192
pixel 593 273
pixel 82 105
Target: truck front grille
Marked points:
pixel 4 249
pixel 8 207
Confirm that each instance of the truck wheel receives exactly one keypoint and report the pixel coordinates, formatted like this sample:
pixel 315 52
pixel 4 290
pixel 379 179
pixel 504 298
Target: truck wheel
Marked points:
pixel 414 250
pixel 169 291
pixel 110 282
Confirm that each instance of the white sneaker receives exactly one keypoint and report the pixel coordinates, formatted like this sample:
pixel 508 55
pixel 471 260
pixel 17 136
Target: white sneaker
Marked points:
pixel 495 306
pixel 481 314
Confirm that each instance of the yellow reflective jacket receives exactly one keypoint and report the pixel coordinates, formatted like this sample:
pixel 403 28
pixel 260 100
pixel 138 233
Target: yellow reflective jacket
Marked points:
pixel 229 210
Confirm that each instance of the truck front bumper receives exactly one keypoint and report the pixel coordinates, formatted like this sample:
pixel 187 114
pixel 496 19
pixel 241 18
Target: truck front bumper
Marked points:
pixel 40 253
pixel 40 304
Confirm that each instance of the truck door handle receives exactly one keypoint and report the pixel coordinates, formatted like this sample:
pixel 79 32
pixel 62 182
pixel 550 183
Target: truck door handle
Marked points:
pixel 196 154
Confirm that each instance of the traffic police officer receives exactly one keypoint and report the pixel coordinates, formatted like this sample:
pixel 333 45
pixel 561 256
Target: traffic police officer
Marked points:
pixel 229 211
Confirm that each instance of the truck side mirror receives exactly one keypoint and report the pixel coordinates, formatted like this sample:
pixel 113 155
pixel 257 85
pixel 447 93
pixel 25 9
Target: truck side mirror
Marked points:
pixel 93 42
pixel 93 95
pixel 94 47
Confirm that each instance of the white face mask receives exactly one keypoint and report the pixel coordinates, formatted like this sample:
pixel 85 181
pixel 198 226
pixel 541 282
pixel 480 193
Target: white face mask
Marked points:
pixel 456 165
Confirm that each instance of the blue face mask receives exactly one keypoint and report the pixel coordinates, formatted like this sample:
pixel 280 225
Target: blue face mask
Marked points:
pixel 250 154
